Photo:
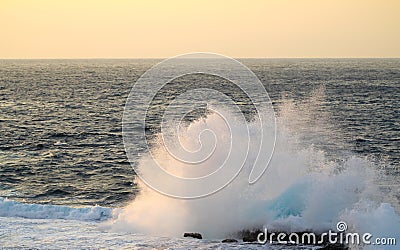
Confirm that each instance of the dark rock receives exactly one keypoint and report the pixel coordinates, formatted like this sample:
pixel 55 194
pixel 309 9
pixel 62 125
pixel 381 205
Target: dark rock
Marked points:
pixel 229 241
pixel 193 235
pixel 250 235
pixel 336 246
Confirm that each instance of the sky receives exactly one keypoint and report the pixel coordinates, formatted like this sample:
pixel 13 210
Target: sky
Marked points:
pixel 165 28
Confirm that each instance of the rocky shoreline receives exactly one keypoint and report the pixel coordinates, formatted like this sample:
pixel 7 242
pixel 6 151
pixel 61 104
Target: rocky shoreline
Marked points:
pixel 281 238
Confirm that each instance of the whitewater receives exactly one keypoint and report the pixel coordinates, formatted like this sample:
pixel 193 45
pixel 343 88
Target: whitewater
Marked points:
pixel 66 182
pixel 303 189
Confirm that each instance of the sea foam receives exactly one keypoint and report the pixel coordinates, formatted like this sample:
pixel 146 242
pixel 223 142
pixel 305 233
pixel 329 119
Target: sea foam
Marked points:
pixel 10 208
pixel 304 187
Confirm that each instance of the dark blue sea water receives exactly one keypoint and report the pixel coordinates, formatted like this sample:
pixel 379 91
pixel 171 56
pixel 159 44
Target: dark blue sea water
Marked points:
pixel 60 121
pixel 60 137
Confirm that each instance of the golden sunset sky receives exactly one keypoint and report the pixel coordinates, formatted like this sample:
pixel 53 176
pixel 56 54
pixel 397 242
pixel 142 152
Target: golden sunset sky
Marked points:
pixel 164 28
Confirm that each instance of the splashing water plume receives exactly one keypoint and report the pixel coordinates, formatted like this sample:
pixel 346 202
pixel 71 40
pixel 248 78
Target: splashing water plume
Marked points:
pixel 302 189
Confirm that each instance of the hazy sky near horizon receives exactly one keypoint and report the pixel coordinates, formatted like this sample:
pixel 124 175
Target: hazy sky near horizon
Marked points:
pixel 164 28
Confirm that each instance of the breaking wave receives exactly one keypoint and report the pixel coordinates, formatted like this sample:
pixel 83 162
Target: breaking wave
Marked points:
pixel 307 186
pixel 10 208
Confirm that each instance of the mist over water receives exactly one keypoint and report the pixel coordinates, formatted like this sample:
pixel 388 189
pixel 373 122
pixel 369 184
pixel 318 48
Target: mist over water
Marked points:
pixel 304 188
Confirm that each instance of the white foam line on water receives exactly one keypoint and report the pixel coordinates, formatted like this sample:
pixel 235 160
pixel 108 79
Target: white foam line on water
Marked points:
pixel 10 208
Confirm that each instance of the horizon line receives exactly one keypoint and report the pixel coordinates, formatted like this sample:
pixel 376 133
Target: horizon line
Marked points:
pixel 161 58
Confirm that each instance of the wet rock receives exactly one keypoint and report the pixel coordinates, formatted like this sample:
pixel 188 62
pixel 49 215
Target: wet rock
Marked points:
pixel 229 241
pixel 303 238
pixel 336 246
pixel 250 235
pixel 193 235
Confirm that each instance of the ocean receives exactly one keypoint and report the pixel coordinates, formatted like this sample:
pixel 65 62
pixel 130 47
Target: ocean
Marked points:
pixel 66 181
